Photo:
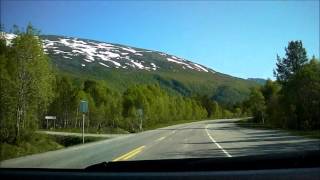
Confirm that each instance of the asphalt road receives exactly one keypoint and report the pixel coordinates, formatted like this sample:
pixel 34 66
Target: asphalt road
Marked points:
pixel 214 138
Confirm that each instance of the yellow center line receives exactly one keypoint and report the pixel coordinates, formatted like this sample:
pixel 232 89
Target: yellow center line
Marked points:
pixel 130 154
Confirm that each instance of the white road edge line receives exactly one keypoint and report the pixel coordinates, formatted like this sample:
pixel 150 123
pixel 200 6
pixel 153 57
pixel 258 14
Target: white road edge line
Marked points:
pixel 215 142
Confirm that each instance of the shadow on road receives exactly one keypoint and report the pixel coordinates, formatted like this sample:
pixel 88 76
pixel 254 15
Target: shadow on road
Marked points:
pixel 273 148
pixel 242 141
pixel 251 141
pixel 201 153
pixel 244 147
pixel 247 150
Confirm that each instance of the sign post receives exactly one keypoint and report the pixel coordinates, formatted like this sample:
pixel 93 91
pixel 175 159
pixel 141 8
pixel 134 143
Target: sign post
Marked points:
pixel 49 117
pixel 83 117
pixel 83 109
pixel 140 114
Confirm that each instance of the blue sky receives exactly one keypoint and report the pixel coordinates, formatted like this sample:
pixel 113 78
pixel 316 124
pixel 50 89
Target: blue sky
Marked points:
pixel 240 38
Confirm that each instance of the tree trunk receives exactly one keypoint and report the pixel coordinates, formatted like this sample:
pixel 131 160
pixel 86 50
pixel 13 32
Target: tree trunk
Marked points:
pixel 88 124
pixel 75 126
pixel 17 125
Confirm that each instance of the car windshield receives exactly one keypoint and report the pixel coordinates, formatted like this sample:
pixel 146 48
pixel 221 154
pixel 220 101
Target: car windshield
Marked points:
pixel 84 82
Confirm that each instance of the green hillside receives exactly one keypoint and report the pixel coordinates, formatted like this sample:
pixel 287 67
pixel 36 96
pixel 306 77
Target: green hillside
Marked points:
pixel 185 81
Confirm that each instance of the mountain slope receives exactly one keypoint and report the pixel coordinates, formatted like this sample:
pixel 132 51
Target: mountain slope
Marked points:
pixel 114 56
pixel 121 66
pixel 258 80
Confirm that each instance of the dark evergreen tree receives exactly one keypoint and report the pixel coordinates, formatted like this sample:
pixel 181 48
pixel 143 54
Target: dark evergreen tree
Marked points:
pixel 295 57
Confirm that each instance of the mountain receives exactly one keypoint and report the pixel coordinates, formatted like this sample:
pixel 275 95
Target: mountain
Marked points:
pixel 258 80
pixel 121 66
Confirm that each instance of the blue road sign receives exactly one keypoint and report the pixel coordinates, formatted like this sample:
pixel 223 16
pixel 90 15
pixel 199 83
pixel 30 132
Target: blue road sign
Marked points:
pixel 84 106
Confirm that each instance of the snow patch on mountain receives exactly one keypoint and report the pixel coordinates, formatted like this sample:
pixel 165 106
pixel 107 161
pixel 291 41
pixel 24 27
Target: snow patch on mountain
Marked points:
pixel 202 68
pixel 103 64
pixel 138 54
pixel 129 49
pixel 139 65
pixel 67 57
pixel 179 62
pixel 154 67
pixel 118 56
pixel 109 54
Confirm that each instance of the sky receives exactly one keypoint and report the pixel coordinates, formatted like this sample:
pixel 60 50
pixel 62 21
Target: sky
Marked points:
pixel 239 38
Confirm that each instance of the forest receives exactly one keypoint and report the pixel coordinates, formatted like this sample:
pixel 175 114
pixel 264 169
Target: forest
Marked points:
pixel 293 100
pixel 31 88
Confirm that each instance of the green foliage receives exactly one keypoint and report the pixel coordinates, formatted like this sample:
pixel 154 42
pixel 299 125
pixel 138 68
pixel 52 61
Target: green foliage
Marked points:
pixel 257 105
pixel 227 95
pixel 26 85
pixel 36 143
pixel 212 107
pixel 286 67
pixel 7 95
pixel 274 112
pixel 110 109
pixel 258 80
pixel 302 95
pixel 293 101
pixel 158 106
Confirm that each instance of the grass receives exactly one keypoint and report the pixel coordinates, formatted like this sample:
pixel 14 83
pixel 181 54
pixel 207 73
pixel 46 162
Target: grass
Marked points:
pixel 67 141
pixel 39 143
pixel 249 124
pixel 36 144
pixel 105 130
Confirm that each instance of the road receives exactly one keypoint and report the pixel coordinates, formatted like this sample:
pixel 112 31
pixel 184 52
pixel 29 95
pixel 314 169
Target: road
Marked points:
pixel 213 138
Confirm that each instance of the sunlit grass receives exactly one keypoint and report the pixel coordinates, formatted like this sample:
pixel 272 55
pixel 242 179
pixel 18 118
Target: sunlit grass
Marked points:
pixel 40 143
